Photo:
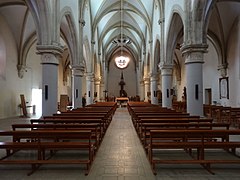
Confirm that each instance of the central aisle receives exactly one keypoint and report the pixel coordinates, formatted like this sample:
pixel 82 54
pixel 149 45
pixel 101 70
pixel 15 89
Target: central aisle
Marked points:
pixel 121 155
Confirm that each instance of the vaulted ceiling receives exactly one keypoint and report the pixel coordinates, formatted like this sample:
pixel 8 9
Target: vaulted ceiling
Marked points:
pixel 122 25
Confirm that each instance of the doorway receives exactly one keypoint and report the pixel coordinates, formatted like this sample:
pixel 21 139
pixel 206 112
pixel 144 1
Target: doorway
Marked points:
pixel 37 101
pixel 208 96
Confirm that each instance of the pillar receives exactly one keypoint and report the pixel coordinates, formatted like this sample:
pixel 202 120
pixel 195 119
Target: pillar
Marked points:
pixel 142 92
pixel 166 72
pixel 146 89
pixel 153 79
pixel 98 88
pixel 194 77
pixel 101 91
pixel 49 61
pixel 89 85
pixel 77 74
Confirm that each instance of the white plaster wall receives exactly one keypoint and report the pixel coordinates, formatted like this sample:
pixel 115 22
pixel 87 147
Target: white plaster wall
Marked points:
pixel 211 74
pixel 64 88
pixel 114 77
pixel 9 82
pixel 12 86
pixel 34 67
pixel 170 7
pixel 233 58
pixel 34 73
pixel 74 6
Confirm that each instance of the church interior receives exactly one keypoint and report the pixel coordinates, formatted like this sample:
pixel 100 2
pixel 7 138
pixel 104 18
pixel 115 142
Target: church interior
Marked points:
pixel 130 64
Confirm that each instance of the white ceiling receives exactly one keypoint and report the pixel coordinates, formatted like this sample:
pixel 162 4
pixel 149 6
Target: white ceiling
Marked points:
pixel 114 19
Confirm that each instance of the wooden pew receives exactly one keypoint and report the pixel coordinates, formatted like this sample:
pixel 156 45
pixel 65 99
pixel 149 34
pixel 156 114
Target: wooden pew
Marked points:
pixel 73 121
pixel 77 115
pixel 109 110
pixel 147 127
pixel 183 139
pixel 94 127
pixel 167 119
pixel 140 117
pixel 82 141
pixel 235 114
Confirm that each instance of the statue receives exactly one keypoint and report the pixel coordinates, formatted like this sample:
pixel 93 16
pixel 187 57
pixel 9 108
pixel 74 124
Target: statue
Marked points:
pixel 122 83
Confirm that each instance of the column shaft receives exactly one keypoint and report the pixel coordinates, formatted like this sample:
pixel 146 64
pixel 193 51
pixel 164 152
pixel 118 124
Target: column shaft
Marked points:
pixel 146 89
pixel 154 99
pixel 49 84
pixel 77 75
pixel 166 71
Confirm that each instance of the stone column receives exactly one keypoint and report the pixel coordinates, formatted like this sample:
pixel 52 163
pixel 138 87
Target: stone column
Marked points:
pixel 49 61
pixel 142 94
pixel 166 71
pixel 89 84
pixel 138 82
pixel 98 88
pixel 101 91
pixel 153 79
pixel 77 74
pixel 146 89
pixel 194 77
pixel 105 81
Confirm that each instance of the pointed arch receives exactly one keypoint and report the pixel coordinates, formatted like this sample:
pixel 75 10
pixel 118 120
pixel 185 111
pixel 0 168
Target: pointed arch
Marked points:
pixel 175 32
pixel 70 32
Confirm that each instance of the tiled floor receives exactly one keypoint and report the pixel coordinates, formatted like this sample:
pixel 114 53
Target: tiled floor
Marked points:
pixel 119 157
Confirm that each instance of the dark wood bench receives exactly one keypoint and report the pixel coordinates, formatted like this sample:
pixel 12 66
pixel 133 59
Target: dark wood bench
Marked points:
pixel 82 141
pixel 146 127
pixel 73 121
pixel 138 120
pixel 106 121
pixel 172 120
pixel 94 127
pixel 184 139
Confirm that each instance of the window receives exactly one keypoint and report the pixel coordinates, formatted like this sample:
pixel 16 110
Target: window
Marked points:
pixel 122 62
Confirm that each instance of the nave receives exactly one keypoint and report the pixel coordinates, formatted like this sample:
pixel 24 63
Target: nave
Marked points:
pixel 120 156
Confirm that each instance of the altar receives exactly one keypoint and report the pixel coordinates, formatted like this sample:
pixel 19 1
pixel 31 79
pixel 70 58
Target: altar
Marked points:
pixel 122 101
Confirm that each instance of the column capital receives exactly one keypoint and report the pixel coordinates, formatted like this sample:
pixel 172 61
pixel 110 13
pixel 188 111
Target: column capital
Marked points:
pixel 49 58
pixel 21 69
pixel 223 69
pixel 82 22
pixel 146 80
pixel 54 48
pixel 161 20
pixel 98 80
pixel 166 69
pixel 90 76
pixel 194 52
pixel 50 53
pixel 78 71
pixel 141 82
pixel 153 76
